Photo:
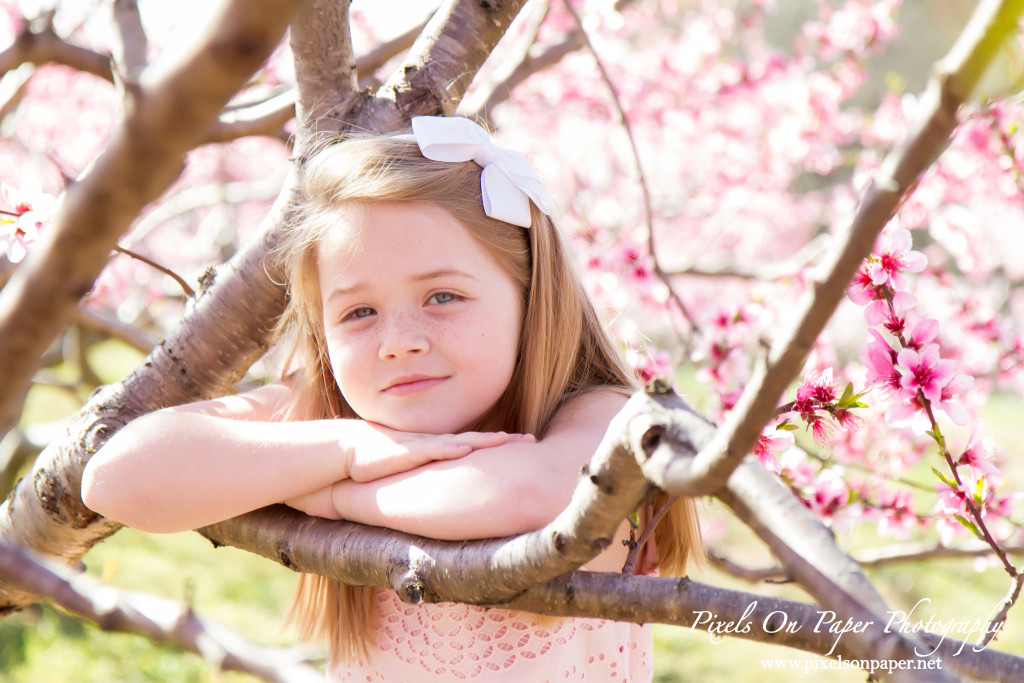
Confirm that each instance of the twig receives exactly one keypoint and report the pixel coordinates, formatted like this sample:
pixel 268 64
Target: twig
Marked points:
pixel 189 292
pixel 129 44
pixel 637 546
pixel 879 557
pixel 160 620
pixel 641 178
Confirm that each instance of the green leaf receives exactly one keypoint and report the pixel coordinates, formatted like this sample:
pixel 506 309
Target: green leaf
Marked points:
pixel 847 395
pixel 969 525
pixel 787 426
pixel 979 490
pixel 945 479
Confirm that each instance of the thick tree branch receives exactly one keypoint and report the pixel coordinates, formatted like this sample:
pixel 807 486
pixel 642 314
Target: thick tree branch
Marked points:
pixel 953 80
pixel 219 337
pixel 443 60
pixel 667 435
pixel 610 488
pixel 269 116
pixel 165 116
pixel 39 44
pixel 160 620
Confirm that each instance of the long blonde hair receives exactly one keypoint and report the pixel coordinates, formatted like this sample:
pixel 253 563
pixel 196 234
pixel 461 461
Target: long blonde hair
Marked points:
pixel 563 347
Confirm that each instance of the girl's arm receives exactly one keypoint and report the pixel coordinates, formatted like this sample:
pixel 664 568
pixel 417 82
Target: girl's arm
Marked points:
pixel 184 467
pixel 501 491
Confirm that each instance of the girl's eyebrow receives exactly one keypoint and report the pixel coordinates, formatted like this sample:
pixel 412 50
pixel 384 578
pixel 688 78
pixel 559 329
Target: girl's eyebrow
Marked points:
pixel 419 277
pixel 443 272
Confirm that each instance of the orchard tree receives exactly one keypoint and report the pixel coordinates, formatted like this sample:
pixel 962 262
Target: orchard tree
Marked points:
pixel 726 198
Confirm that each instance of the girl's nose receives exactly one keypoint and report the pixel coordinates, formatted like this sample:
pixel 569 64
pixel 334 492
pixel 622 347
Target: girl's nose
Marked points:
pixel 402 336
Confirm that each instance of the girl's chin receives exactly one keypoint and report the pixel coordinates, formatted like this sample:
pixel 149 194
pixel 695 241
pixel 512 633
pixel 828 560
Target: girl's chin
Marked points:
pixel 424 425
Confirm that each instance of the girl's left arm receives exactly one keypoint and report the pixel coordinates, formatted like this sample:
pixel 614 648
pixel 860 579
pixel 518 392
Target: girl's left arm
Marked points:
pixel 501 491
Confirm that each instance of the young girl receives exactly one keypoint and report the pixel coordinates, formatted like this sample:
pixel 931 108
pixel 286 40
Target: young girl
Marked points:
pixel 454 377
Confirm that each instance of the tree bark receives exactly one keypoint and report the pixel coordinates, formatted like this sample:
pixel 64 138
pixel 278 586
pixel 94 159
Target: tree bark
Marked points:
pixel 227 328
pixel 164 116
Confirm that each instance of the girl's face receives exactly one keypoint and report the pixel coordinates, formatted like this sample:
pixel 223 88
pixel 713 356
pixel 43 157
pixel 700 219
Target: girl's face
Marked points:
pixel 422 323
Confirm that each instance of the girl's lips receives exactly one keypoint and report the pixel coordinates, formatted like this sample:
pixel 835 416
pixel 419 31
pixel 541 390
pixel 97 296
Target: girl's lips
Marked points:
pixel 404 387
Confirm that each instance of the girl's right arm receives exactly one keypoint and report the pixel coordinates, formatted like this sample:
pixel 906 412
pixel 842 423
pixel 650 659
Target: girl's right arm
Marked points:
pixel 184 467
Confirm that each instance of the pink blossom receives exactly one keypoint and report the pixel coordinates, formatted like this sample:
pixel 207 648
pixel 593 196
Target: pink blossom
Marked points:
pixel 822 428
pixel 924 332
pixel 953 388
pixel 980 453
pixel 847 419
pixel 893 258
pixel 897 516
pixel 654 363
pixel 891 316
pixel 880 360
pixel 818 388
pixel 32 208
pixel 951 502
pixel 923 371
pixel 772 441
pixel 862 289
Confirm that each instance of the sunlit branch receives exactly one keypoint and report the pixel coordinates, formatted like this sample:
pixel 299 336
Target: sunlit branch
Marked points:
pixel 166 118
pixel 41 45
pixel 499 85
pixel 129 44
pixel 159 619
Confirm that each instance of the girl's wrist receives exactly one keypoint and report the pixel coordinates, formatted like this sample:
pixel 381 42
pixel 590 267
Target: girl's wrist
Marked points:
pixel 337 499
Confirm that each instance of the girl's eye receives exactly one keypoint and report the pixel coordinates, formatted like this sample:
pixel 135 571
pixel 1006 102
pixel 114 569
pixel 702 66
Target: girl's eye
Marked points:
pixel 441 298
pixel 361 312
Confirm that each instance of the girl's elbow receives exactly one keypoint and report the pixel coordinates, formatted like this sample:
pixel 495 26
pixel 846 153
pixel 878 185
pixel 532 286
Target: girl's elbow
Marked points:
pixel 110 493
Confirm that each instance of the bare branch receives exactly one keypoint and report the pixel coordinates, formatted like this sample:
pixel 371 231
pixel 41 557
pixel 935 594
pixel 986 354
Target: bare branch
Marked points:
pixel 443 60
pixel 129 45
pixel 39 44
pixel 878 557
pixel 160 620
pixel 954 79
pixel 166 118
pixel 221 335
pixel 420 569
pixel 424 570
pixel 269 116
pixel 379 56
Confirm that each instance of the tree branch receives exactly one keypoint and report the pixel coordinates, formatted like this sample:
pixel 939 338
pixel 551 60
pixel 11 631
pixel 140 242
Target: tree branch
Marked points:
pixel 422 570
pixel 160 620
pixel 225 330
pixel 954 79
pixel 129 45
pixel 164 119
pixel 39 44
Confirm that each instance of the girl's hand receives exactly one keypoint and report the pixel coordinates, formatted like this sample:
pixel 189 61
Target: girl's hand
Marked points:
pixel 374 451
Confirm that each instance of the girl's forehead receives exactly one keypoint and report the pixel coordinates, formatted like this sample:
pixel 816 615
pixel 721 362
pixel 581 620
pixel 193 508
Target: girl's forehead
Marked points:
pixel 396 235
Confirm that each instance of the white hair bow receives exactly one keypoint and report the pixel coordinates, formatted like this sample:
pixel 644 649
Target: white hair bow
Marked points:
pixel 507 182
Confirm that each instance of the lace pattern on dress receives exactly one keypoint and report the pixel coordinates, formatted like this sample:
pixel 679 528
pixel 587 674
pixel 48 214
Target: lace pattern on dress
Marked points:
pixel 453 642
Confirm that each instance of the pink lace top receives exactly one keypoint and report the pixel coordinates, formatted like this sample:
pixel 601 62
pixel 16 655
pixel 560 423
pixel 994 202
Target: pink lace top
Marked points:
pixel 452 642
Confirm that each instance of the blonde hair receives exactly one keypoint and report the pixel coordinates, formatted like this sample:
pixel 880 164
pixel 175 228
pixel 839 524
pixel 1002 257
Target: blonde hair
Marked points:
pixel 563 347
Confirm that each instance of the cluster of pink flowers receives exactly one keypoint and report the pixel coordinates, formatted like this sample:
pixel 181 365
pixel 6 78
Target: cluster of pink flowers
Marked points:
pixel 918 382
